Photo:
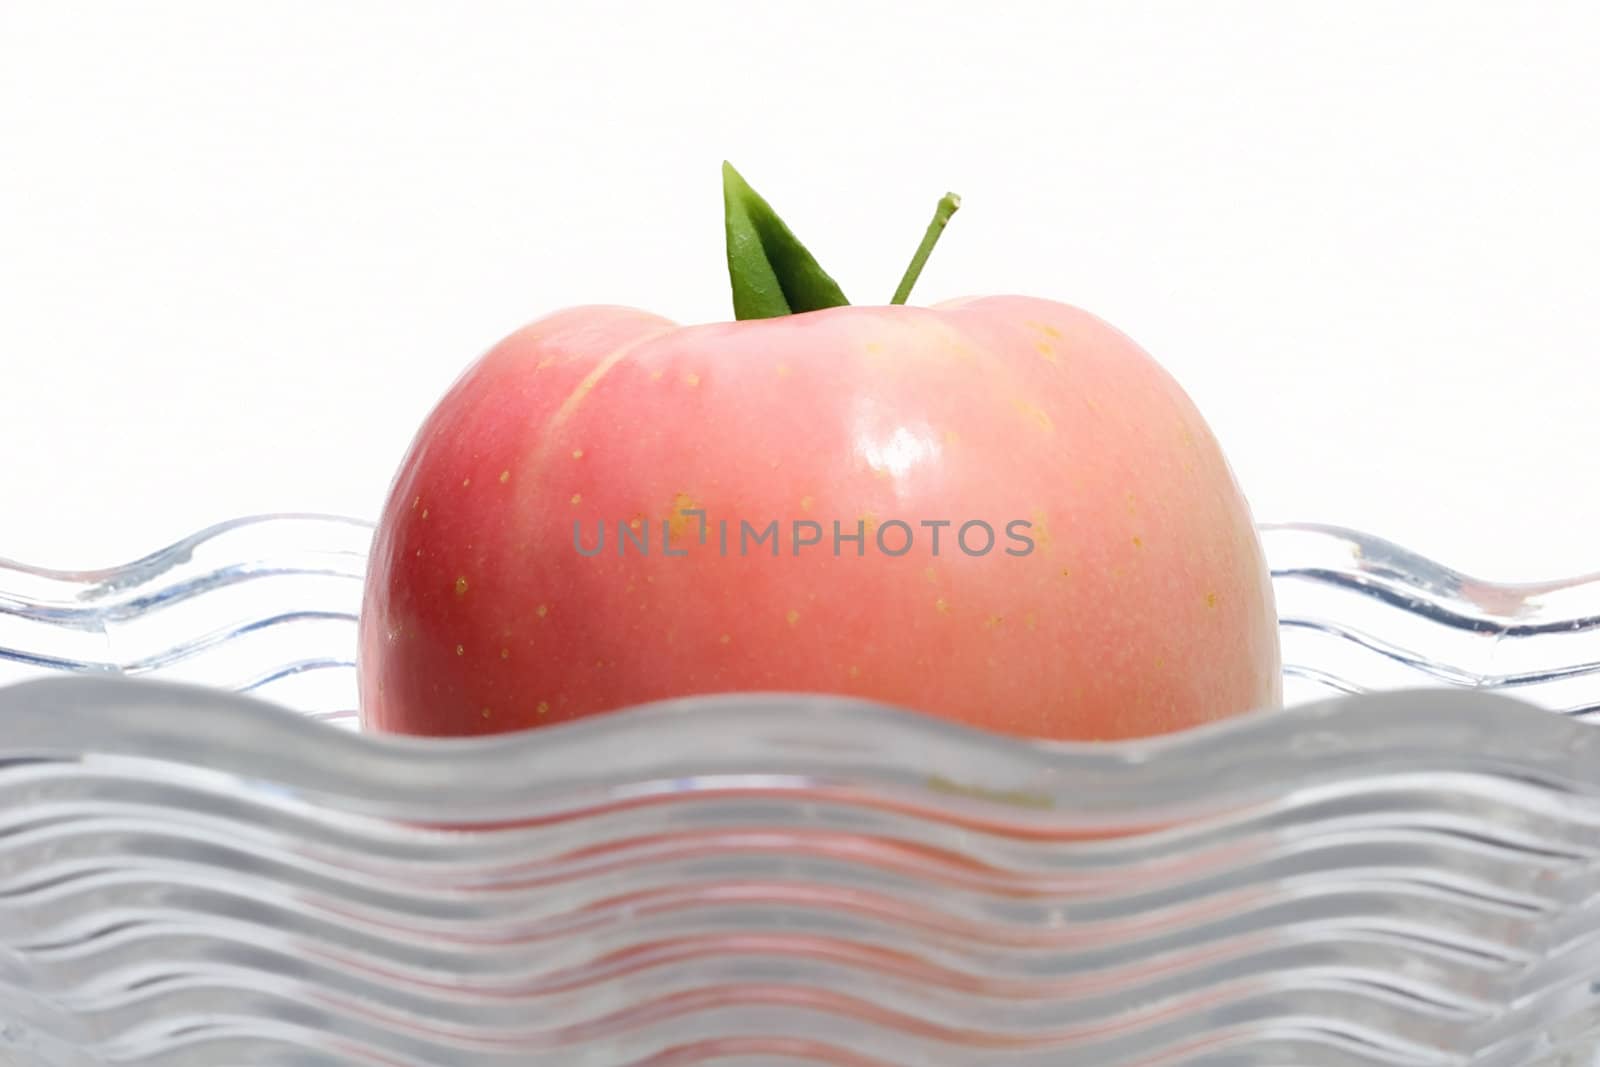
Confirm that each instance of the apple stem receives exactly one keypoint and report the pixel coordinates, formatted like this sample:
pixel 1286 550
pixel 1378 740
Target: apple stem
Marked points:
pixel 941 216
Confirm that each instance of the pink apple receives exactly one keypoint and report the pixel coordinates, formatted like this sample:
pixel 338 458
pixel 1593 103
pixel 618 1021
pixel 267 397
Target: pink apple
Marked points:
pixel 609 509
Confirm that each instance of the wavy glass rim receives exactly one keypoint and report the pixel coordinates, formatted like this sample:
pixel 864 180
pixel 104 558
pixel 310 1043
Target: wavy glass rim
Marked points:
pixel 267 604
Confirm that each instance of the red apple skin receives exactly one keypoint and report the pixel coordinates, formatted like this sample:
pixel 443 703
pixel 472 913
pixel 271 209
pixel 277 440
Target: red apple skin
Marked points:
pixel 1144 607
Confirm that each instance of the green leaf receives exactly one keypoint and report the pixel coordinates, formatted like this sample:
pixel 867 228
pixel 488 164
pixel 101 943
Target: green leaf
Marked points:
pixel 771 271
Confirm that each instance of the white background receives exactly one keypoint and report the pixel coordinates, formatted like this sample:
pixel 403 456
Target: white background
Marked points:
pixel 244 247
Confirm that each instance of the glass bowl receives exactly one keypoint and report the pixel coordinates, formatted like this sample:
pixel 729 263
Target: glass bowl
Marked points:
pixel 1401 868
